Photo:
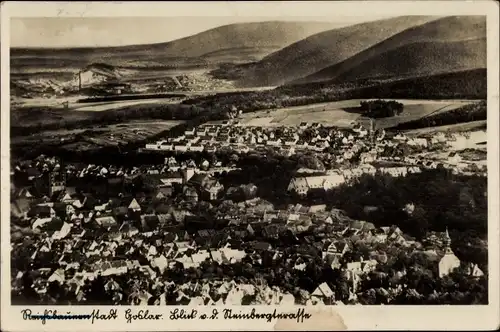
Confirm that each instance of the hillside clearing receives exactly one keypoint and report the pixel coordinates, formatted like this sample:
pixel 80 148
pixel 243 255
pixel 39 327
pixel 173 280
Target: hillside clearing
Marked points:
pixel 344 113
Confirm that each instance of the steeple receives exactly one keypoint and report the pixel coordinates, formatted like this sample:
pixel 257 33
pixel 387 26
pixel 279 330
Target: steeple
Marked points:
pixel 447 243
pixel 449 261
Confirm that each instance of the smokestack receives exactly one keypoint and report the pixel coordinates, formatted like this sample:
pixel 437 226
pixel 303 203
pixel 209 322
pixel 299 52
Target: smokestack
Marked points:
pixel 79 80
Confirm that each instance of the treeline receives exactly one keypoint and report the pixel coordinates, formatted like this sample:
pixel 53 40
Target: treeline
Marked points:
pixel 467 84
pixel 467 113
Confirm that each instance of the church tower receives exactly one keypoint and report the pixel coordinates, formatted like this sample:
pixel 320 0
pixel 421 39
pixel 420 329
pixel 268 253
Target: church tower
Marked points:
pixel 449 261
pixel 57 182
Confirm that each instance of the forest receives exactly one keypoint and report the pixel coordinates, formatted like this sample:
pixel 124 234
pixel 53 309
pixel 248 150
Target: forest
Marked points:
pixel 464 85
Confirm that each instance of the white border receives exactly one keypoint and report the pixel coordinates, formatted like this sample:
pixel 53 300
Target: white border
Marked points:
pixel 354 317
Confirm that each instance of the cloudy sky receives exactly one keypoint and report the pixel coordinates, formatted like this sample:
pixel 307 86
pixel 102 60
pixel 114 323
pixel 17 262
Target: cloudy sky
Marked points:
pixel 99 31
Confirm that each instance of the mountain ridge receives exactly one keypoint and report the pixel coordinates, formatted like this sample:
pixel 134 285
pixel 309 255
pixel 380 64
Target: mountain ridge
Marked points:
pixel 447 29
pixel 321 50
pixel 253 34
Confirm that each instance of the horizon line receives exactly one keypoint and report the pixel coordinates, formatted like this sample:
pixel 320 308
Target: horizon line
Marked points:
pixel 90 47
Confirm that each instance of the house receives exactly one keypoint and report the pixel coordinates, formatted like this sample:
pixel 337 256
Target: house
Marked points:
pixel 171 178
pixel 134 206
pixel 337 248
pixel 191 194
pixel 400 137
pixel 300 264
pixel 167 146
pixel 317 208
pixel 273 231
pixel 210 148
pixel 273 142
pixel 363 266
pixel 395 171
pixel 323 293
pixel 368 265
pixel 164 192
pixel 420 142
pixel 213 189
pixel 288 151
pixel 301 144
pixel 153 146
pixel 189 131
pixel 181 147
pixel 57 276
pixel 106 221
pixel 333 261
pixel 473 270
pixel 63 232
pixel 149 222
pixel 321 144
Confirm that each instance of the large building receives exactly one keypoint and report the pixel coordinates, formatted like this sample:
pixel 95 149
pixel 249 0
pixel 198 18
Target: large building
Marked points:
pixel 96 74
pixel 302 185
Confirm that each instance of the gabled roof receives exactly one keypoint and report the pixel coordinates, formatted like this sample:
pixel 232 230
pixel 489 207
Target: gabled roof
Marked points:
pixel 134 205
pixel 323 290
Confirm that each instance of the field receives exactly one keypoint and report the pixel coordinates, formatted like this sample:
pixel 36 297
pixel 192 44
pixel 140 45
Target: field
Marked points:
pixel 460 127
pixel 51 112
pixel 110 135
pixel 345 113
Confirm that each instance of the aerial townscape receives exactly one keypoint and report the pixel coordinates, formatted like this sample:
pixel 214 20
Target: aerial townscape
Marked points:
pixel 267 163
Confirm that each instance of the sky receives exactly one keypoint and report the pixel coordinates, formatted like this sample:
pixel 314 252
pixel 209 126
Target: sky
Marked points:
pixel 117 31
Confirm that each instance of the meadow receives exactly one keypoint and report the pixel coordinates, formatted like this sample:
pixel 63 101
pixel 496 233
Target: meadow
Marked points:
pixel 345 113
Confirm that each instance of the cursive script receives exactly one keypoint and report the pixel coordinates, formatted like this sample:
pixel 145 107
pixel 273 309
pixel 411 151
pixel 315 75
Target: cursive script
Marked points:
pixel 141 315
pixel 50 314
pixel 97 315
pixel 183 314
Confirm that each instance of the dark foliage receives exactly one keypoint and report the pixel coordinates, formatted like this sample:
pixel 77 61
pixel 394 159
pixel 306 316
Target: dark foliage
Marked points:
pixel 381 108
